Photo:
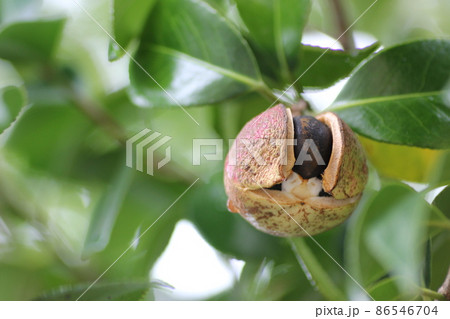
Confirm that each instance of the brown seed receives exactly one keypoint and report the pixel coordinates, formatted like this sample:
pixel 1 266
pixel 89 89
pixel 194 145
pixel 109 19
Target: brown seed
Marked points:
pixel 309 128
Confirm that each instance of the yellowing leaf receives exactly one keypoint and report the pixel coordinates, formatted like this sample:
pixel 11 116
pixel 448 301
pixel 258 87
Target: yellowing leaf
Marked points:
pixel 408 163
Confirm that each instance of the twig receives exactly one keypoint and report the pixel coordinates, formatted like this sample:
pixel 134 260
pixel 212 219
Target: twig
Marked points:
pixel 97 115
pixel 445 288
pixel 346 40
pixel 53 74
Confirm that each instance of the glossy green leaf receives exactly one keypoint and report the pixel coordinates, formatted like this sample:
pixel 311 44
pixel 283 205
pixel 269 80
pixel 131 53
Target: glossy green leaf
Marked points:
pixel 194 54
pixel 442 201
pixel 175 123
pixel 315 272
pixel 320 258
pixel 440 259
pixel 144 209
pixel 12 99
pixel 172 122
pixel 274 30
pixel 48 137
pixel 385 290
pixel 228 9
pixel 332 242
pixel 105 214
pixel 15 10
pixel 107 291
pixel 129 17
pixel 400 96
pixel 438 221
pixel 30 41
pixel 14 278
pixel 358 259
pixel 322 67
pixel 395 232
pixel 229 232
pixel 268 279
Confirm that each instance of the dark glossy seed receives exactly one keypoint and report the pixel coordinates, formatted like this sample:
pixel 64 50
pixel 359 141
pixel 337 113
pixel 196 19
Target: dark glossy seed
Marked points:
pixel 324 194
pixel 276 187
pixel 309 128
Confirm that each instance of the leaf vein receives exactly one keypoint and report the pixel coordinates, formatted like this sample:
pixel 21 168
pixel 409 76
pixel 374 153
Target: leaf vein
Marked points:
pixel 228 73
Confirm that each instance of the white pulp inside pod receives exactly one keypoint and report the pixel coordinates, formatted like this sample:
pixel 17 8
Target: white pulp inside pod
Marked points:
pixel 302 188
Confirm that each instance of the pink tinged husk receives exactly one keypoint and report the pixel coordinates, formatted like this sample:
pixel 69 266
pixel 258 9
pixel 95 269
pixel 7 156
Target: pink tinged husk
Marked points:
pixel 281 213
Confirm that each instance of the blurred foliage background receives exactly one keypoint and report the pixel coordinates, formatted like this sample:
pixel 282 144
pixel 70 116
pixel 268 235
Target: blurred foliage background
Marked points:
pixel 70 97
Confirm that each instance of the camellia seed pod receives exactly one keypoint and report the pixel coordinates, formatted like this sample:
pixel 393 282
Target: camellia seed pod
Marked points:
pixel 267 183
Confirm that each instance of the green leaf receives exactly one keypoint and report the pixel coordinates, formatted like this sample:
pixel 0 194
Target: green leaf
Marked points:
pixel 16 10
pixel 314 270
pixel 117 291
pixel 358 260
pixel 385 290
pixel 395 232
pixel 174 123
pixel 48 137
pixel 228 9
pixel 322 67
pixel 273 280
pixel 400 96
pixel 229 232
pixel 274 30
pixel 332 242
pixel 145 209
pixel 196 56
pixel 442 201
pixel 440 259
pixel 438 221
pixel 36 279
pixel 129 17
pixel 105 214
pixel 30 41
pixel 12 99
